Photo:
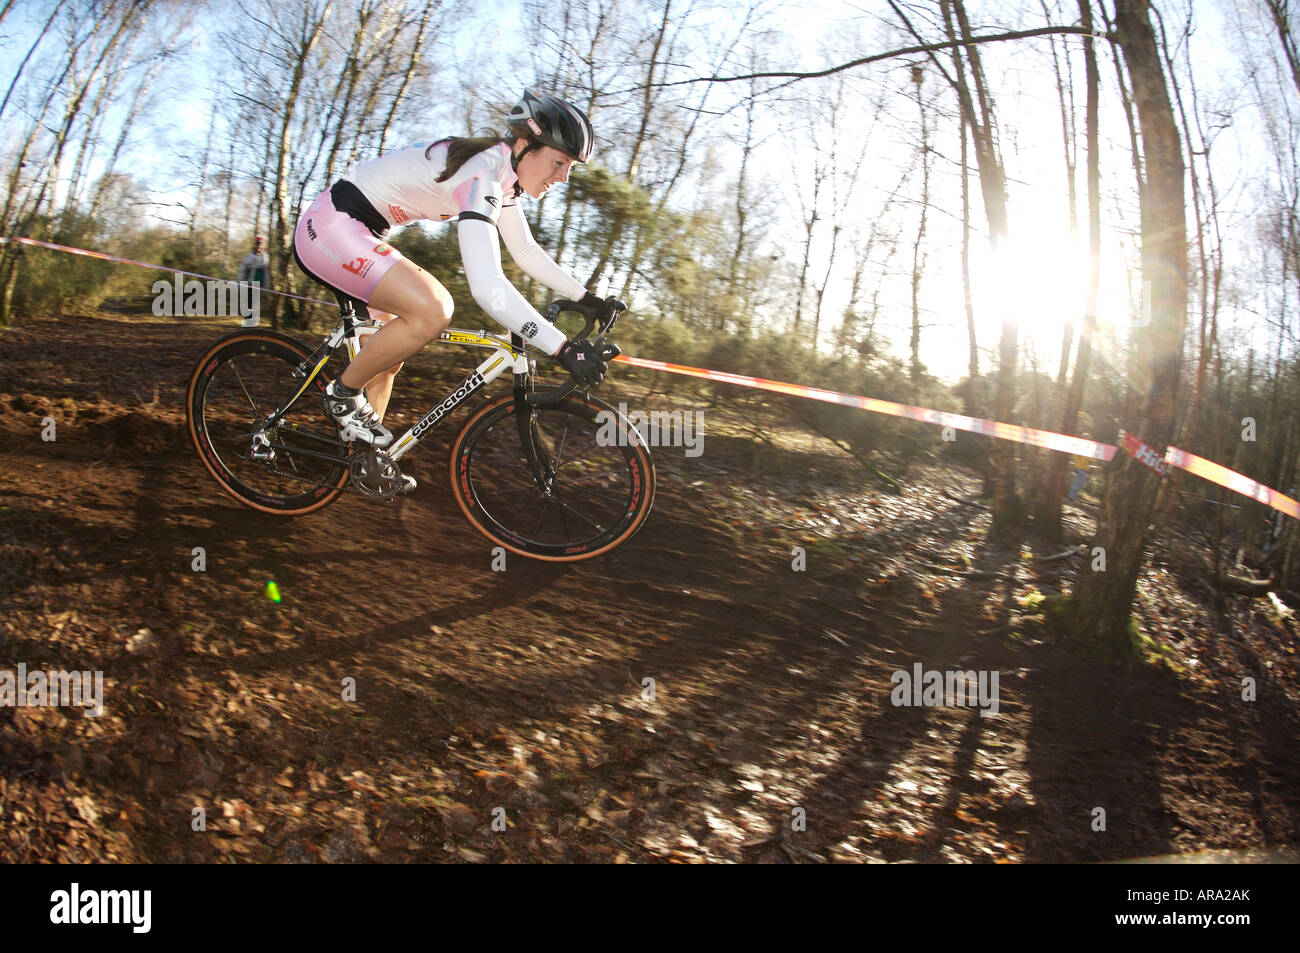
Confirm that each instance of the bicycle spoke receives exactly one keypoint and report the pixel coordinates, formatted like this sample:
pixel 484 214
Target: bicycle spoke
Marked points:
pixel 525 491
pixel 584 455
pixel 565 507
pixel 559 451
pixel 234 369
pixel 541 519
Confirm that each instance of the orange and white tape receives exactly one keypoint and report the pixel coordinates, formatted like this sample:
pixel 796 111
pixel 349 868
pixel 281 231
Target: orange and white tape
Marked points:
pixel 991 428
pixel 1063 443
pixel 145 264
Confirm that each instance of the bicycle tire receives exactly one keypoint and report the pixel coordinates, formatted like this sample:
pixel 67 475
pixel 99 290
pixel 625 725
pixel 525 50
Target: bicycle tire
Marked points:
pixel 603 488
pixel 238 383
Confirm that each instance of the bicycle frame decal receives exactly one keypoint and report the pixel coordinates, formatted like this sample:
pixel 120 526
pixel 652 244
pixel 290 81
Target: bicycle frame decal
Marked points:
pixel 484 374
pixel 479 339
pixel 305 384
pixel 470 384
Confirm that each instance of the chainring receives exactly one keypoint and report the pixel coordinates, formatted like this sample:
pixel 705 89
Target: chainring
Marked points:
pixel 375 474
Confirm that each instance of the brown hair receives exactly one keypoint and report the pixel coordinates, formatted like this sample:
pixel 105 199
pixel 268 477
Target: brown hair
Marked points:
pixel 460 150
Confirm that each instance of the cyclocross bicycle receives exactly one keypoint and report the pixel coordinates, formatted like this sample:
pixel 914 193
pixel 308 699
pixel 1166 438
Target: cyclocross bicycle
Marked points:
pixel 549 474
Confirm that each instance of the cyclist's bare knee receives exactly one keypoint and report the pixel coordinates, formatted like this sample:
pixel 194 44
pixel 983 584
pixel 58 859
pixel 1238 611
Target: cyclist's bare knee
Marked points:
pixel 418 298
pixel 436 315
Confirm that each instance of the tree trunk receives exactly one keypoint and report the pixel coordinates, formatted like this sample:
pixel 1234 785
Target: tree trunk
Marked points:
pixel 1104 599
pixel 1048 518
pixel 281 252
pixel 1007 507
pixel 411 64
pixel 918 259
pixel 971 403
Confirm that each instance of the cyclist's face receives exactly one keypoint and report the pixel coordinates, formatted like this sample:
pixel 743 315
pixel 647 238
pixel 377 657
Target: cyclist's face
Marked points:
pixel 542 168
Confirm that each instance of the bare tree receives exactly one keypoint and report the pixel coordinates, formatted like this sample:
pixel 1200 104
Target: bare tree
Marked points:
pixel 95 46
pixel 973 404
pixel 1283 16
pixel 918 258
pixel 1048 517
pixel 977 109
pixel 1104 599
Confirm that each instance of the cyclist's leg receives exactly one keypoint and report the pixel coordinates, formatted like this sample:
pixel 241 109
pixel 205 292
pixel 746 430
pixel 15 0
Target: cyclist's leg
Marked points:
pixel 422 309
pixel 344 255
pixel 380 388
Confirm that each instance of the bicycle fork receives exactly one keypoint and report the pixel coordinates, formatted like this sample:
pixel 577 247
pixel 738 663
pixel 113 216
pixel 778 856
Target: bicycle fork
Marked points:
pixel 526 421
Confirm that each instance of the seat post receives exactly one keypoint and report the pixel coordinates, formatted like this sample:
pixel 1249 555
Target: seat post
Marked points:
pixel 350 310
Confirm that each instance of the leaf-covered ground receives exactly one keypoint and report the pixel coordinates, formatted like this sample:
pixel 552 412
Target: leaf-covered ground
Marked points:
pixel 520 698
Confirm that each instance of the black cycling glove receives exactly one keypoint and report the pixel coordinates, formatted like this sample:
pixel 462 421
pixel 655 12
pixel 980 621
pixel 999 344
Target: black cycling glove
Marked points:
pixel 599 308
pixel 583 362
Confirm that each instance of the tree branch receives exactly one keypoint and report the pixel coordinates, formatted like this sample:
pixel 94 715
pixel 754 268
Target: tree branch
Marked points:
pixel 902 51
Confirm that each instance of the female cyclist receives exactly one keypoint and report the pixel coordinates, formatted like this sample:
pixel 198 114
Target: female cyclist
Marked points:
pixel 339 241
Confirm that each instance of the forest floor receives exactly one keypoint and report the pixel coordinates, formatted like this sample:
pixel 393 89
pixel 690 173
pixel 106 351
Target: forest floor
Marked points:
pixel 519 699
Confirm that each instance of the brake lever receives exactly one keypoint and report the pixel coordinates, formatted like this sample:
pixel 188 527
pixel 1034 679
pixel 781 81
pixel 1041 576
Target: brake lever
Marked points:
pixel 615 309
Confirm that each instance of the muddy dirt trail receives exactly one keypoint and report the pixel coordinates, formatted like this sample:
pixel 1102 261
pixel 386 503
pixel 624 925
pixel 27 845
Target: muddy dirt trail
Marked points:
pixel 694 696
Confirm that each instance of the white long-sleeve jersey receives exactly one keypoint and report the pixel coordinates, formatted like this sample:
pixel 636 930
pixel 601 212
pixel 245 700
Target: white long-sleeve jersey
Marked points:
pixel 481 196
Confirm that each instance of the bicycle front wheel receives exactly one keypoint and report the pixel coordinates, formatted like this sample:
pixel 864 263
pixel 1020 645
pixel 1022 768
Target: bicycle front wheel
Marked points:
pixel 597 487
pixel 297 466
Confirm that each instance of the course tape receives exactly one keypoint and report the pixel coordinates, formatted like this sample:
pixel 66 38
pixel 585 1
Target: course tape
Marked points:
pixel 1064 443
pixel 145 264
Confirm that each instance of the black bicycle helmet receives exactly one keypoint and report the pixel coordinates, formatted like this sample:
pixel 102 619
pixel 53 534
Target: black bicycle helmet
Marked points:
pixel 550 121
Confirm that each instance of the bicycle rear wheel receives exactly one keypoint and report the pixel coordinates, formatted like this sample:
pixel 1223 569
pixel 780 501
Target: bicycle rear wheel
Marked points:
pixel 235 388
pixel 601 473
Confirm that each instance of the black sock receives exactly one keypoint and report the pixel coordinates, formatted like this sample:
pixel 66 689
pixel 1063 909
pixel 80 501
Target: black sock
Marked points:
pixel 342 390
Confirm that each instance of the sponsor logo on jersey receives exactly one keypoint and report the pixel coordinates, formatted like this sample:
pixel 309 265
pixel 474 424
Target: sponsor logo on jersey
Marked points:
pixel 383 248
pixel 359 266
pixel 311 230
pixel 491 200
pixel 529 330
pixel 398 214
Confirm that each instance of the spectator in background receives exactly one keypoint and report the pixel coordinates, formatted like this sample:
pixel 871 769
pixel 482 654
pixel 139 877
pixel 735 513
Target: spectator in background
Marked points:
pixel 254 270
pixel 1081 464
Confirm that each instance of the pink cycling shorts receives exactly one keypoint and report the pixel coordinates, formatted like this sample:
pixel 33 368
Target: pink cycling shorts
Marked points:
pixel 340 251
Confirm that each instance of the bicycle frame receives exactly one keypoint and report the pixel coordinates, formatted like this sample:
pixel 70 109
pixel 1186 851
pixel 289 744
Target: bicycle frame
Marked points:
pixel 505 355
